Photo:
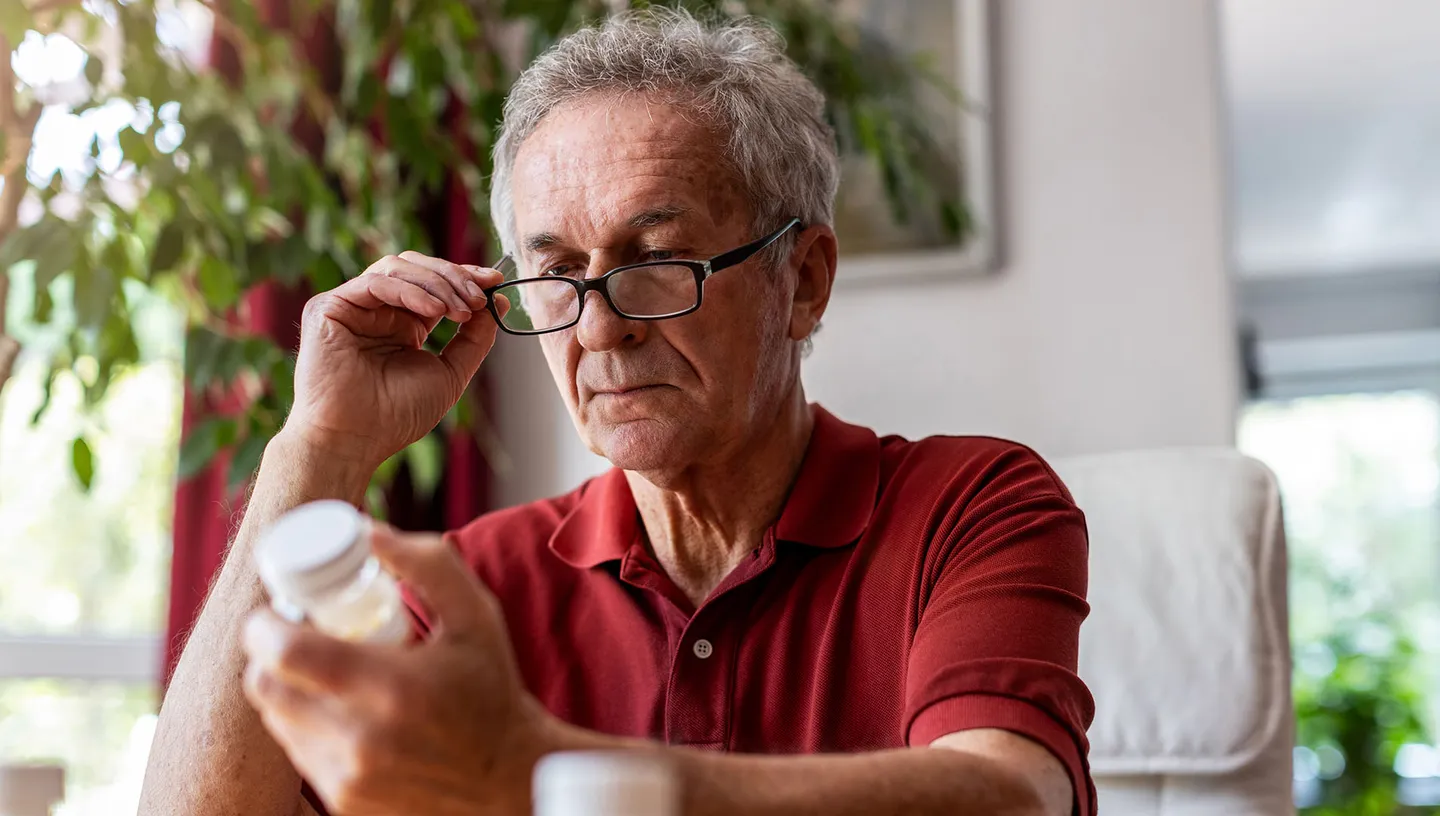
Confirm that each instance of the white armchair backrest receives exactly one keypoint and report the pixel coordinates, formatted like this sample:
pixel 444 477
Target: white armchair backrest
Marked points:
pixel 1187 646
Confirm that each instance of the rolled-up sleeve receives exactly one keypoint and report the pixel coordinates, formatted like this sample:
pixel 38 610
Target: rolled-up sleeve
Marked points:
pixel 997 642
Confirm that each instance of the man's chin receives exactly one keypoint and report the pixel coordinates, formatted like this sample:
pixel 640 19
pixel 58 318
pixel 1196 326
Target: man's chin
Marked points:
pixel 643 444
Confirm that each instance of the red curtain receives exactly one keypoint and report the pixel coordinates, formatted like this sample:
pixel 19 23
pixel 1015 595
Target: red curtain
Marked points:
pixel 205 512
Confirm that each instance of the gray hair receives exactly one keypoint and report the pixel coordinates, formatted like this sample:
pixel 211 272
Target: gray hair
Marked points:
pixel 733 74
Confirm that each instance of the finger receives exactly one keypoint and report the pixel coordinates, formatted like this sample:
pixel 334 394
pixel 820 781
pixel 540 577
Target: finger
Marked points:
pixel 278 701
pixel 434 572
pixel 303 657
pixel 469 290
pixel 426 279
pixel 469 347
pixel 374 291
pixel 302 723
pixel 485 276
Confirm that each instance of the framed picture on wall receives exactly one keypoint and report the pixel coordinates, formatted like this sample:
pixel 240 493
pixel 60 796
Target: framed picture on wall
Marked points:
pixel 951 38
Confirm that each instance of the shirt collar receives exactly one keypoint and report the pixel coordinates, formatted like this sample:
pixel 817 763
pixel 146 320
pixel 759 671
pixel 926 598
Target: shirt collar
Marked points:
pixel 839 483
pixel 602 527
pixel 829 506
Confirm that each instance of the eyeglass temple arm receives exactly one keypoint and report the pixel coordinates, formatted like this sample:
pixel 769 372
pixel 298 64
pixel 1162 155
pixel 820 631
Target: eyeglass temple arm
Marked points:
pixel 741 254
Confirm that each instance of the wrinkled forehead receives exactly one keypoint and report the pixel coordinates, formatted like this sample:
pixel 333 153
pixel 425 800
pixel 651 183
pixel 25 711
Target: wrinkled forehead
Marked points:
pixel 594 162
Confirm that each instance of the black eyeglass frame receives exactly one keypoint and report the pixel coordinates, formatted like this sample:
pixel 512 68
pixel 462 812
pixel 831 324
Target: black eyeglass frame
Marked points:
pixel 701 269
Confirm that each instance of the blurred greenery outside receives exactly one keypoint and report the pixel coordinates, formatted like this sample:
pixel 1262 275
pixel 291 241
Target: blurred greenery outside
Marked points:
pixel 90 563
pixel 102 731
pixel 1360 479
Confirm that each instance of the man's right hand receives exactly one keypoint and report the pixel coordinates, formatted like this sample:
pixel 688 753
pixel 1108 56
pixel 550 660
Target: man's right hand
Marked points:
pixel 365 387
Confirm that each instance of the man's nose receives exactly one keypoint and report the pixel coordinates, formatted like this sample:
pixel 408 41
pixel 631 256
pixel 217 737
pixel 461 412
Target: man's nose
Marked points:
pixel 602 329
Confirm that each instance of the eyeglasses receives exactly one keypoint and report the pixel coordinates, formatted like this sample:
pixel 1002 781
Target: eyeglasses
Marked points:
pixel 654 290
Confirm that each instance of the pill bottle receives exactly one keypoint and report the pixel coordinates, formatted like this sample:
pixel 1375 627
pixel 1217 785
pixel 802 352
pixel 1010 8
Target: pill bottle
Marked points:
pixel 318 567
pixel 605 783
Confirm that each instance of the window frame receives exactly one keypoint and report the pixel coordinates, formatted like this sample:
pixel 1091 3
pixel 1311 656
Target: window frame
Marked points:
pixel 119 659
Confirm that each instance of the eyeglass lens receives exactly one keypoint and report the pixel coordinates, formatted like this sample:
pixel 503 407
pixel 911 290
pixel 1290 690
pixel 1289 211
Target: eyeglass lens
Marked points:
pixel 542 304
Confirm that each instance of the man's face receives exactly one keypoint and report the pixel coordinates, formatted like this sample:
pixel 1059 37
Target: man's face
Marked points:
pixel 605 182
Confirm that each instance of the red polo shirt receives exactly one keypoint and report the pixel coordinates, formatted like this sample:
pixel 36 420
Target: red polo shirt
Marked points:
pixel 908 590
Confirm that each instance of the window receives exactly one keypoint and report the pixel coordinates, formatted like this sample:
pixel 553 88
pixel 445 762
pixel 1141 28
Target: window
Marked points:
pixel 85 573
pixel 83 587
pixel 1360 477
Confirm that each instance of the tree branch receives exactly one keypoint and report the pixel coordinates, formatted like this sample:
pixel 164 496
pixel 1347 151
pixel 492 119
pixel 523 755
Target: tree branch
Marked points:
pixel 18 128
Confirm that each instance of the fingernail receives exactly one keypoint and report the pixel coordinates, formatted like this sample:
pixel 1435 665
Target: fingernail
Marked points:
pixel 474 290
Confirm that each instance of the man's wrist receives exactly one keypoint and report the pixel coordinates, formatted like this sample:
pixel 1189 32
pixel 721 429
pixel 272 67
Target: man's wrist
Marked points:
pixel 322 470
pixel 543 733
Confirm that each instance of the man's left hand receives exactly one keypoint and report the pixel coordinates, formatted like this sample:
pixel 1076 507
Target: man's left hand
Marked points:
pixel 439 727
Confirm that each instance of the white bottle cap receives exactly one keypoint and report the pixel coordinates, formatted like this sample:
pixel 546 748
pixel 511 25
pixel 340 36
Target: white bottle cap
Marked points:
pixel 312 549
pixel 30 790
pixel 605 783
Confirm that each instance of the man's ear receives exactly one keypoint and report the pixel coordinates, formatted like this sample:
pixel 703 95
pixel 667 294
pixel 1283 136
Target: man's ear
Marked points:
pixel 813 261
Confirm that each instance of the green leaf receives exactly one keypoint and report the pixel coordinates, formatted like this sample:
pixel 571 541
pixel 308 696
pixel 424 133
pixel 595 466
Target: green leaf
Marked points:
pixel 282 381
pixel 117 340
pixel 55 258
pixel 14 22
pixel 203 442
pixel 406 132
pixel 220 137
pixel 94 70
pixel 426 460
pixel 317 228
pixel 380 14
pixel 367 93
pixel 218 284
pixel 324 274
pixel 232 360
pixel 95 287
pixel 245 461
pixel 82 461
pixel 169 245
pixel 258 352
pixel 134 146
pixel 47 392
pixel 25 243
pixel 202 357
pixel 44 305
pixel 289 258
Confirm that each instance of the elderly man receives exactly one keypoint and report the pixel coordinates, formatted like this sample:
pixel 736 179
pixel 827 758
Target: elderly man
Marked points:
pixel 800 616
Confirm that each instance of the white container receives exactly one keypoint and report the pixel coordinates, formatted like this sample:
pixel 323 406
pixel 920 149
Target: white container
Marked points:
pixel 317 564
pixel 605 783
pixel 30 790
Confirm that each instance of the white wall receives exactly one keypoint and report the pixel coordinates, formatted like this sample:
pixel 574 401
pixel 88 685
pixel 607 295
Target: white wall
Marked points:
pixel 1110 323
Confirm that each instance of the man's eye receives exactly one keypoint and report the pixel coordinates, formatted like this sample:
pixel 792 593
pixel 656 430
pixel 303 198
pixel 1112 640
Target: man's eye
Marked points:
pixel 659 255
pixel 561 271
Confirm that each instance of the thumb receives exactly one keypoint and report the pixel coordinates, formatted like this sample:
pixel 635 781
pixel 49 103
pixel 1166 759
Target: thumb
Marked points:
pixel 470 345
pixel 430 567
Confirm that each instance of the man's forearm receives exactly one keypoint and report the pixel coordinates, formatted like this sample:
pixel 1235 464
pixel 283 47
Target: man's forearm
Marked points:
pixel 906 780
pixel 211 754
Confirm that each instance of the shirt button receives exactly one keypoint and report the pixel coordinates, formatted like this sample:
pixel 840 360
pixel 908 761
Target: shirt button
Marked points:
pixel 703 648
